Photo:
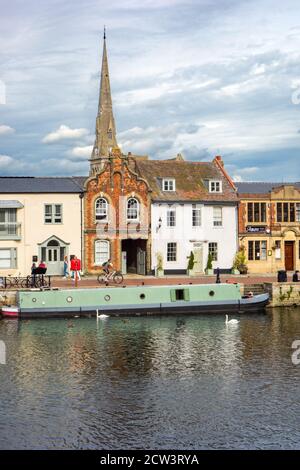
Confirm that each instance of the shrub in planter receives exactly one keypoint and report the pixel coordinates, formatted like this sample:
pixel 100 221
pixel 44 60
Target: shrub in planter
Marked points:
pixel 240 261
pixel 191 264
pixel 209 267
pixel 159 266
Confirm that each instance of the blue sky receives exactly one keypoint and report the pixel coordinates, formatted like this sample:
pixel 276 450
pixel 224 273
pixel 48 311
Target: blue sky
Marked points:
pixel 200 77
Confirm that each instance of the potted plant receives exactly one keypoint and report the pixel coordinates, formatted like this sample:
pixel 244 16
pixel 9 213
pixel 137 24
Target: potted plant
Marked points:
pixel 159 266
pixel 209 267
pixel 240 262
pixel 191 264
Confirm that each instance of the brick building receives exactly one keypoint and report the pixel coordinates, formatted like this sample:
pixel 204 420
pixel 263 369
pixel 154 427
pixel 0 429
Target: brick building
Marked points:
pixel 195 203
pixel 269 225
pixel 117 201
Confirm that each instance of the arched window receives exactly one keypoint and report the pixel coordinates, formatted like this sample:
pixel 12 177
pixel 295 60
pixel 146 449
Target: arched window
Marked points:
pixel 102 251
pixel 132 209
pixel 101 209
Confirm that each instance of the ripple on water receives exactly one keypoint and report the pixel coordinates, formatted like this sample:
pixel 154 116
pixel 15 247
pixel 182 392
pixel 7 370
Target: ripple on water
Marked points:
pixel 182 383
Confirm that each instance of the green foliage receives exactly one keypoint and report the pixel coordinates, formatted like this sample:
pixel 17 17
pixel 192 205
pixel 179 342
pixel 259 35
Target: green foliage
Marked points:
pixel 160 262
pixel 240 259
pixel 209 261
pixel 191 262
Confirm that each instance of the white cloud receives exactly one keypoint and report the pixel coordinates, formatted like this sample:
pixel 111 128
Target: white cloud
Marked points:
pixel 4 130
pixel 81 152
pixel 64 132
pixel 5 161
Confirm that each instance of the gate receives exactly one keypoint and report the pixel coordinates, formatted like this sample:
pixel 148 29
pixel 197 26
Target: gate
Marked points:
pixel 141 262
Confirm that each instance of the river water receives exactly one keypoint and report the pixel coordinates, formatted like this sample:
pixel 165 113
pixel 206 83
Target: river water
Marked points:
pixel 151 383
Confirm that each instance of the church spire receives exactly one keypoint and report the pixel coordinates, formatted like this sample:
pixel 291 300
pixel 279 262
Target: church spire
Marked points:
pixel 105 123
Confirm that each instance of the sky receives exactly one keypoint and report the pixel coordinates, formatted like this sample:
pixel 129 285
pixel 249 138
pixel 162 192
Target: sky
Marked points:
pixel 197 77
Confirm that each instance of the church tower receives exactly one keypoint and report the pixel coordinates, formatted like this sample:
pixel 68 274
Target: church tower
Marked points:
pixel 105 140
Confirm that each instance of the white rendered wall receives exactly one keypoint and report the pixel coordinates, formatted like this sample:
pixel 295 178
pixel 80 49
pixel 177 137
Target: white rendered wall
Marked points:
pixel 184 234
pixel 35 231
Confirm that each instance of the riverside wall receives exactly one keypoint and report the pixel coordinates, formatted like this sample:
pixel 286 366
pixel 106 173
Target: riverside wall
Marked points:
pixel 283 294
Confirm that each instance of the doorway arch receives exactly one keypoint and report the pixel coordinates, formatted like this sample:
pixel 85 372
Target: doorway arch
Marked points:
pixel 52 251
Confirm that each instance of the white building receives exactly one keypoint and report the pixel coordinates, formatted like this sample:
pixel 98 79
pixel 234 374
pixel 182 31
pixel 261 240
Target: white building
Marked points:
pixel 194 209
pixel 40 219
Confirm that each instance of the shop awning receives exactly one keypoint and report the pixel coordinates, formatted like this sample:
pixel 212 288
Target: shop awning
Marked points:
pixel 9 204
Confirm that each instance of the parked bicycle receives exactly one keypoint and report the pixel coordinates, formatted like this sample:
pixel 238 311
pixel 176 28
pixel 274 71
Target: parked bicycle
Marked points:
pixel 115 276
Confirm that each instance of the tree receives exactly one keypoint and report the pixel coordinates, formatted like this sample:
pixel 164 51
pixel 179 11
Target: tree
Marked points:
pixel 191 262
pixel 209 261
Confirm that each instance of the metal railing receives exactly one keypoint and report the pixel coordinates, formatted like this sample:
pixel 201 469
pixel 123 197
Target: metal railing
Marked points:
pixel 12 282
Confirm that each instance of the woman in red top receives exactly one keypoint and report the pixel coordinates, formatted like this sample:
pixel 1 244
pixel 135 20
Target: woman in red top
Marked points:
pixel 75 268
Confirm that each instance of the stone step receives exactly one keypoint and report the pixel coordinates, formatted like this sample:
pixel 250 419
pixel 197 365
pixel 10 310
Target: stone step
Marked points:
pixel 255 288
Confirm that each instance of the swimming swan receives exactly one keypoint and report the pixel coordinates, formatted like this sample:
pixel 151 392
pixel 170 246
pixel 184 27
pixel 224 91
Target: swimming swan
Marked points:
pixel 231 322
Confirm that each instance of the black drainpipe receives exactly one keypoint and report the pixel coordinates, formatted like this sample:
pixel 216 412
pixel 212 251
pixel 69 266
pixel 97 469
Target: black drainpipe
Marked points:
pixel 81 195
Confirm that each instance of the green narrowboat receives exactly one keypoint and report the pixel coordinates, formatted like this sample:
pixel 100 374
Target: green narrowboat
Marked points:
pixel 136 300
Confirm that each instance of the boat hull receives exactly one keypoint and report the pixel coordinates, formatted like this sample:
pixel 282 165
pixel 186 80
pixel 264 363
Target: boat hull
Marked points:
pixel 197 308
pixel 137 301
pixel 10 312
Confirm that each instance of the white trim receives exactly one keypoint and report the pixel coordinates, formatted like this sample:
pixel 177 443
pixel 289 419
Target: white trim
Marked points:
pixel 168 181
pixel 211 182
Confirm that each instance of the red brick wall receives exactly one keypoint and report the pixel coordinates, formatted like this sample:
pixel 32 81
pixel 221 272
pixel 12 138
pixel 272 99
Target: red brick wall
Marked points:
pixel 114 181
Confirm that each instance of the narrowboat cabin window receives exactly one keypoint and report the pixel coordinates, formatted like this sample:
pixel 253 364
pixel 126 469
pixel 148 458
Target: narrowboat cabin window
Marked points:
pixel 179 294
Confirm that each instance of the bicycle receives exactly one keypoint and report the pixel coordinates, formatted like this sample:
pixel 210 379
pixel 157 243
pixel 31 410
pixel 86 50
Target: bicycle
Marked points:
pixel 115 276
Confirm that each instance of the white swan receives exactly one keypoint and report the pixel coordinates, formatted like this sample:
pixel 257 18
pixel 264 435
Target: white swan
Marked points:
pixel 233 321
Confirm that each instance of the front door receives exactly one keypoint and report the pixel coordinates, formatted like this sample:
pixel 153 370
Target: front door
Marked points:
pixel 141 262
pixel 52 253
pixel 289 256
pixel 135 255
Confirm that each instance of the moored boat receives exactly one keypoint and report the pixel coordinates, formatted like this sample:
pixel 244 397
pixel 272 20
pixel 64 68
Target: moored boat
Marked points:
pixel 10 312
pixel 138 300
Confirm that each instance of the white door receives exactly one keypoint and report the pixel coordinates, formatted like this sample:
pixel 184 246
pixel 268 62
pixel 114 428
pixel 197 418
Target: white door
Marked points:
pixel 53 255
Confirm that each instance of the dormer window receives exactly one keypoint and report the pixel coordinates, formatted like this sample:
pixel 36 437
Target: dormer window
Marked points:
pixel 168 184
pixel 215 186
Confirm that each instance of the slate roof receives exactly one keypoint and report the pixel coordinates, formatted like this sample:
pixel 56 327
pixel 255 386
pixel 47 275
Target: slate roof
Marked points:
pixel 32 184
pixel 260 187
pixel 189 177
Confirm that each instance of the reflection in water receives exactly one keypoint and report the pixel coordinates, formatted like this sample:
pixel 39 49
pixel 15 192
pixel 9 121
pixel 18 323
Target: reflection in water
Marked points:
pixel 168 382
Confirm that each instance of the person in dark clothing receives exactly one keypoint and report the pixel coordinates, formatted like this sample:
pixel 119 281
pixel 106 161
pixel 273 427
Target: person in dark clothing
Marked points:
pixel 106 266
pixel 218 280
pixel 296 276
